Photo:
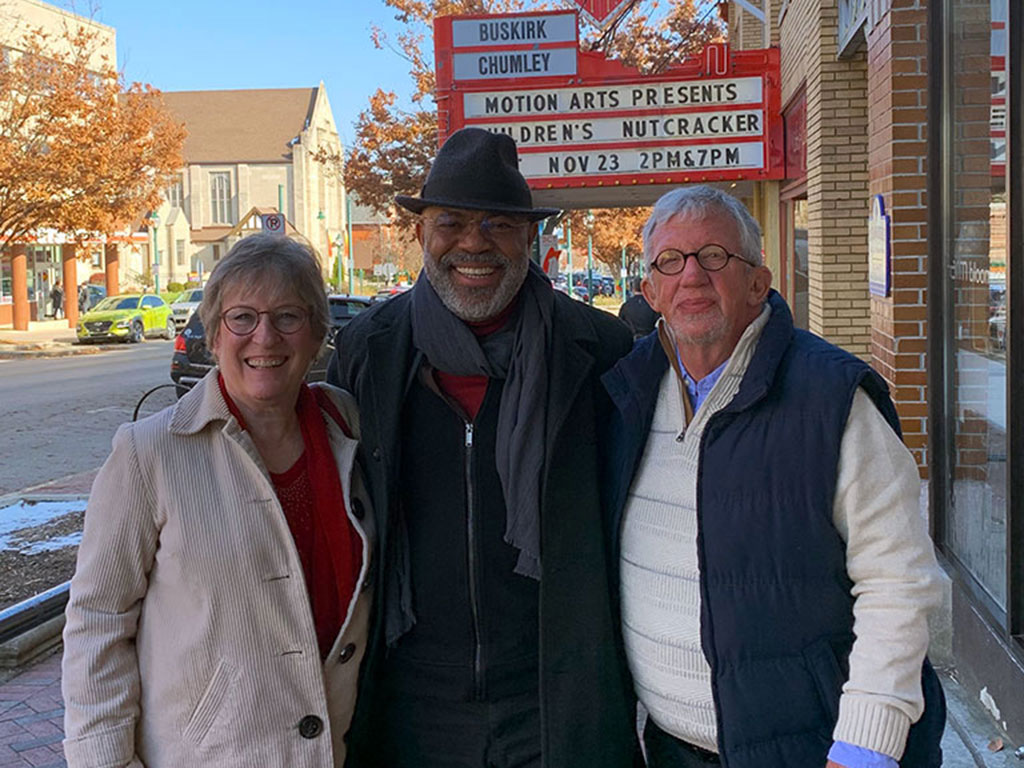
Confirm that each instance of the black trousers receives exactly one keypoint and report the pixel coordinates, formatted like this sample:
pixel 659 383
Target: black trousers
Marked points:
pixel 425 732
pixel 666 751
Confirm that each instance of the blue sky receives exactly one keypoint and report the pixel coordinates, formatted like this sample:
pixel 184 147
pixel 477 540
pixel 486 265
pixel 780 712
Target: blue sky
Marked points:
pixel 214 44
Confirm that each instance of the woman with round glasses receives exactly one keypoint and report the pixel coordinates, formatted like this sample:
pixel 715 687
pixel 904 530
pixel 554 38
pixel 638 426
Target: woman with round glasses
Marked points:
pixel 218 612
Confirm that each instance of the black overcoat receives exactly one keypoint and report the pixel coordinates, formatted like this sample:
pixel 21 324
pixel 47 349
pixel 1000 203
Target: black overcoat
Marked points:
pixel 587 704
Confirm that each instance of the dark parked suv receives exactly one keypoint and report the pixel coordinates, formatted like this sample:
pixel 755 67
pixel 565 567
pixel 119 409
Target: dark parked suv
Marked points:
pixel 192 360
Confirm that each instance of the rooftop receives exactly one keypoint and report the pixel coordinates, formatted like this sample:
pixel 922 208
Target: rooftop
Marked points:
pixel 245 126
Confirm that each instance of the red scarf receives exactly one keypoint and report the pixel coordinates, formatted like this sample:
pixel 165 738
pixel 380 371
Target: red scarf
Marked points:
pixel 336 558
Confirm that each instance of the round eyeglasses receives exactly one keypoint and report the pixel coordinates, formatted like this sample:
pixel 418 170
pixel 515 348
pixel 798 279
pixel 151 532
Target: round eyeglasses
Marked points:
pixel 711 258
pixel 494 226
pixel 242 321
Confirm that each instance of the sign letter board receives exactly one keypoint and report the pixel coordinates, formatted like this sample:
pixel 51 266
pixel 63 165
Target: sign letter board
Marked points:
pixel 582 120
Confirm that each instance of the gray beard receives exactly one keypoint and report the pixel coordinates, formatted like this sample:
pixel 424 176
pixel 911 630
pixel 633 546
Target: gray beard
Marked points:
pixel 474 305
pixel 704 338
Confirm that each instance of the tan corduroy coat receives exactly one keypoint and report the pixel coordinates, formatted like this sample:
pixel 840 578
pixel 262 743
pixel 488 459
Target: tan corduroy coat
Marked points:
pixel 189 637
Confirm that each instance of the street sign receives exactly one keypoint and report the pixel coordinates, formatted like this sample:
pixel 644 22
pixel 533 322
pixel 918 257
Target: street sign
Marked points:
pixel 273 223
pixel 600 12
pixel 715 116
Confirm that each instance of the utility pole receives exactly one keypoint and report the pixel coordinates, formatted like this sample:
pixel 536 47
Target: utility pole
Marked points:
pixel 590 256
pixel 351 244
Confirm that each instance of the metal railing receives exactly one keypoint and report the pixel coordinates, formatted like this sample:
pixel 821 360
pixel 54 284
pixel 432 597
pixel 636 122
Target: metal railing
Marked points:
pixel 29 614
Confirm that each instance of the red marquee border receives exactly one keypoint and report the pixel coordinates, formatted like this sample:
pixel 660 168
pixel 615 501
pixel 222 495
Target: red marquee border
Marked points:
pixel 717 61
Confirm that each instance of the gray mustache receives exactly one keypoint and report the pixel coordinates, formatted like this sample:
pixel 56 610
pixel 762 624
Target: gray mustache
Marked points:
pixel 451 259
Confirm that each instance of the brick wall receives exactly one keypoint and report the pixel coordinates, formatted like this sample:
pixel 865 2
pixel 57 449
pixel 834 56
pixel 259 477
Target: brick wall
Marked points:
pixel 837 178
pixel 745 31
pixel 897 152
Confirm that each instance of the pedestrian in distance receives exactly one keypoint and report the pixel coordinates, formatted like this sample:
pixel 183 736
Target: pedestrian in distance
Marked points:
pixel 638 315
pixel 57 300
pixel 495 641
pixel 42 294
pixel 775 570
pixel 83 298
pixel 219 608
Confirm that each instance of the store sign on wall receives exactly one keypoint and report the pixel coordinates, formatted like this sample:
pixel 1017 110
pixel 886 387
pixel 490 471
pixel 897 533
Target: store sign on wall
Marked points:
pixel 879 250
pixel 711 117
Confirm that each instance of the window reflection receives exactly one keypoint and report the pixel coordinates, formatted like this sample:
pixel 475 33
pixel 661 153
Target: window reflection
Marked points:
pixel 976 522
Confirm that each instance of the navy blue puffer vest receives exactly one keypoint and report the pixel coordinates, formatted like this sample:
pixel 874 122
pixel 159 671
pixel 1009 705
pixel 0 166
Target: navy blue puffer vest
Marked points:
pixel 777 613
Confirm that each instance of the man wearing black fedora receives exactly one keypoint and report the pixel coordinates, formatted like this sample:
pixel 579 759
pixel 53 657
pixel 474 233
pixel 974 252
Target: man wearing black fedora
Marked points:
pixel 495 637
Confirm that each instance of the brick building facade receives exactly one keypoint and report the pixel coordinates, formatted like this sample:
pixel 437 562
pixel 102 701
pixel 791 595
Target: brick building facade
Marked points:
pixel 908 105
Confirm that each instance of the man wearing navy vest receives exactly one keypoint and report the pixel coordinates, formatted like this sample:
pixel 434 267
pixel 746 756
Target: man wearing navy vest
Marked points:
pixel 494 642
pixel 775 570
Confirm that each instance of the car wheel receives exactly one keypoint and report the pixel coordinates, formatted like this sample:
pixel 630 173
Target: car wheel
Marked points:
pixel 171 331
pixel 137 334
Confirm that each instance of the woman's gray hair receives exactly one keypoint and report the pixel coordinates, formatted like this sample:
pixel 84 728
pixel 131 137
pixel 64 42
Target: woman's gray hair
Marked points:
pixel 699 201
pixel 275 263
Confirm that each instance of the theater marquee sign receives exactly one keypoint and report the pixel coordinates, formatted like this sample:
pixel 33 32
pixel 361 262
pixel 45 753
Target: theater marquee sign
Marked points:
pixel 583 120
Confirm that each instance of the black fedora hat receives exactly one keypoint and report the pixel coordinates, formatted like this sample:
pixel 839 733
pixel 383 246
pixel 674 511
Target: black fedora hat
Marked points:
pixel 478 170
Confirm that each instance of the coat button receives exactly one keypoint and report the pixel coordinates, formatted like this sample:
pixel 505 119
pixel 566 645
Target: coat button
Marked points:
pixel 376 454
pixel 310 727
pixel 347 653
pixel 358 509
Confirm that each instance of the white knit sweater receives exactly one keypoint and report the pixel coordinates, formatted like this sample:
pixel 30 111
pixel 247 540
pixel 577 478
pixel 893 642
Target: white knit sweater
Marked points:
pixel 889 558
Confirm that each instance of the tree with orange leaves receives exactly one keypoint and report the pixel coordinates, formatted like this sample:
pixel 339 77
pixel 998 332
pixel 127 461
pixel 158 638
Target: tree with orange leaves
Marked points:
pixel 614 229
pixel 81 151
pixel 394 147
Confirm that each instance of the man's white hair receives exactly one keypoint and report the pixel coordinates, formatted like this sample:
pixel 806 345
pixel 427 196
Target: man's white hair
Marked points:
pixel 702 200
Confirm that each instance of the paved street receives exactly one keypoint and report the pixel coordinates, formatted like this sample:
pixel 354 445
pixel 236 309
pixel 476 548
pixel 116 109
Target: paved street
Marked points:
pixel 61 413
pixel 32 715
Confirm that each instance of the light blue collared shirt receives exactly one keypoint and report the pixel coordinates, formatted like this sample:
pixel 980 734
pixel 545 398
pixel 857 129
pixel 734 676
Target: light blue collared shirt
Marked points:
pixel 699 390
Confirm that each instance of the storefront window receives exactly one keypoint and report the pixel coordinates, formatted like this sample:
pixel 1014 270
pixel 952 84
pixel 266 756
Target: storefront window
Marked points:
pixel 976 514
pixel 5 279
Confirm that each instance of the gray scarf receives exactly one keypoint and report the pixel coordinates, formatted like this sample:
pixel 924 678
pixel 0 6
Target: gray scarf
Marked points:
pixel 520 356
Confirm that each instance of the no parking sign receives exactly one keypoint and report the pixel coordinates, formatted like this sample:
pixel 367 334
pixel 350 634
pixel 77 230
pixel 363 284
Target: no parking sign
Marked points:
pixel 273 223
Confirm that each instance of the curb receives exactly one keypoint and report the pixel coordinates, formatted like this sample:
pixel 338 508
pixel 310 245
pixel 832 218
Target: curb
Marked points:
pixel 52 349
pixel 33 642
pixel 77 485
pixel 37 493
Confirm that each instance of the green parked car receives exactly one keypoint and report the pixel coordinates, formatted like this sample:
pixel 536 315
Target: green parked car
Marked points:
pixel 130 317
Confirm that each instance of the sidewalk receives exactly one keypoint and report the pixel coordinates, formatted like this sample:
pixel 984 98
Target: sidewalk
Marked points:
pixel 32 711
pixel 45 338
pixel 32 717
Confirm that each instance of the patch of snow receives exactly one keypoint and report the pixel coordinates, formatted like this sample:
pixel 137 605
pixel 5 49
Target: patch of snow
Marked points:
pixel 31 514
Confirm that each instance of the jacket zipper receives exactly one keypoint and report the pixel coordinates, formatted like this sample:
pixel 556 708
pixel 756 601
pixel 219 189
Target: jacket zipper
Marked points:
pixel 474 594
